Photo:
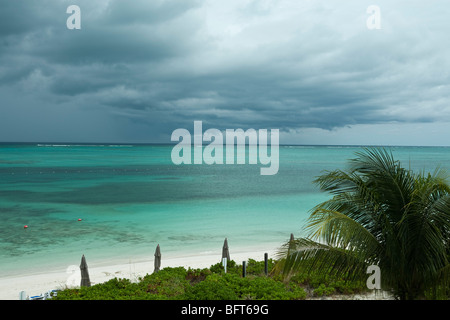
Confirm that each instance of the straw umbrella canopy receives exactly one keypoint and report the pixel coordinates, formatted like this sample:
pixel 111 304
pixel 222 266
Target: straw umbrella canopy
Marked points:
pixel 225 250
pixel 85 281
pixel 291 241
pixel 157 259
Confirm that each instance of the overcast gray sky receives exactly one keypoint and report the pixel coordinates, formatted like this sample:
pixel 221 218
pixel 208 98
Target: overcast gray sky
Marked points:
pixel 137 70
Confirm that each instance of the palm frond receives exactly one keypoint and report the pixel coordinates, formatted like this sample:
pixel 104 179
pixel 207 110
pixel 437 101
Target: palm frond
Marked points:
pixel 308 255
pixel 380 213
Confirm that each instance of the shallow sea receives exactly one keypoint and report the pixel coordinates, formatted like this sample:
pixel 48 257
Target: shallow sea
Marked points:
pixel 132 197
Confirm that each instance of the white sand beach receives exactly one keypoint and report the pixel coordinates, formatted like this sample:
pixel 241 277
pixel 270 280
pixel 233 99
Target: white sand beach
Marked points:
pixel 36 284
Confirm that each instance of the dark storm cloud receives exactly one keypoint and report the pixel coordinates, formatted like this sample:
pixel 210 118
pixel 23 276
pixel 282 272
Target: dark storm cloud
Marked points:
pixel 144 12
pixel 140 69
pixel 18 18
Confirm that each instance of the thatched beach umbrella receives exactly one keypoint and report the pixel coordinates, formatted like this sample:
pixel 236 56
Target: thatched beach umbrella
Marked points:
pixel 225 250
pixel 85 281
pixel 157 259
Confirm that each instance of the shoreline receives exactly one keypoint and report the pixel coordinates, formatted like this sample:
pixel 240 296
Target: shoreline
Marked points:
pixel 99 272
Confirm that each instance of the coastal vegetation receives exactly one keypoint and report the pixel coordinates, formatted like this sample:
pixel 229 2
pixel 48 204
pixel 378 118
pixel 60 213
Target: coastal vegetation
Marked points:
pixel 179 283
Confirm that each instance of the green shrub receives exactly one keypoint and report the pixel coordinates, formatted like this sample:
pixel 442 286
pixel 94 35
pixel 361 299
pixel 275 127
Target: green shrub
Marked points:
pixel 114 289
pixel 197 275
pixel 214 284
pixel 257 267
pixel 327 284
pixel 233 287
pixel 168 283
pixel 232 267
pixel 323 290
pixel 267 288
pixel 214 287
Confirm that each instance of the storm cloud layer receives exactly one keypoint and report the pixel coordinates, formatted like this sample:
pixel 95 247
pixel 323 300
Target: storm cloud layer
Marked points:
pixel 137 70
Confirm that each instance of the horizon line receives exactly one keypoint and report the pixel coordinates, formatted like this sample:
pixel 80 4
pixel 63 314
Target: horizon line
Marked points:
pixel 63 143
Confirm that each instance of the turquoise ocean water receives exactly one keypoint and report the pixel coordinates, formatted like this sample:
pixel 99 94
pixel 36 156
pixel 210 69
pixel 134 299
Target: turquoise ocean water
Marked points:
pixel 132 197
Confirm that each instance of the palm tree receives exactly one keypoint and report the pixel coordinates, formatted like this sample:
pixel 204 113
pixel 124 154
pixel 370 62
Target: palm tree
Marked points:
pixel 380 214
